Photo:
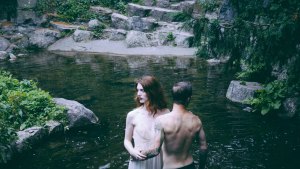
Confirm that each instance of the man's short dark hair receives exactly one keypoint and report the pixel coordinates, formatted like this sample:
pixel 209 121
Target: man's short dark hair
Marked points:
pixel 181 93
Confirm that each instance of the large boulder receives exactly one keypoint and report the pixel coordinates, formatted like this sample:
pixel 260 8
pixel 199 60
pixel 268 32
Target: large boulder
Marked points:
pixel 42 38
pixel 4 44
pixel 78 115
pixel 241 91
pixel 119 21
pixel 136 39
pixel 29 137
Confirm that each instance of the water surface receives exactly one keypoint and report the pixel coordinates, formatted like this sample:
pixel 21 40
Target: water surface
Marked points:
pixel 105 84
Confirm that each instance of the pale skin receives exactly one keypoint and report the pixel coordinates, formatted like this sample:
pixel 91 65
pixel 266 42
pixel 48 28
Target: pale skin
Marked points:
pixel 177 131
pixel 139 121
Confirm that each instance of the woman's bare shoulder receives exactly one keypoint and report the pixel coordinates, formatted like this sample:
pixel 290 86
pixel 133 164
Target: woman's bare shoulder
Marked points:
pixel 133 112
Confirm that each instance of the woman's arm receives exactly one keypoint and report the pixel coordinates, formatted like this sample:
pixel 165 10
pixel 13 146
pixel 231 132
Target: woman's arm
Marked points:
pixel 128 138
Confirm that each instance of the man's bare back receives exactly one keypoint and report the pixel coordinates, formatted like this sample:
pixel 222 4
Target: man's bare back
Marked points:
pixel 177 131
pixel 180 128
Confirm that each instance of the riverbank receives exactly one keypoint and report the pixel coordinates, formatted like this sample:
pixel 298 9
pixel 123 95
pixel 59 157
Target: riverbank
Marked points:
pixel 118 48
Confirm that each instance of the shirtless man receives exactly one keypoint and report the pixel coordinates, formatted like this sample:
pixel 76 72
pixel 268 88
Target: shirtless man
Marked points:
pixel 177 130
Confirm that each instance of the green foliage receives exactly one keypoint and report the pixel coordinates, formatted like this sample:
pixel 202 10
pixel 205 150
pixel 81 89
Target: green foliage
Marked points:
pixel 254 73
pixel 209 5
pixel 23 105
pixel 270 97
pixel 121 6
pixel 72 10
pixel 47 6
pixel 98 31
pixel 261 34
pixel 182 17
pixel 138 1
pixel 170 37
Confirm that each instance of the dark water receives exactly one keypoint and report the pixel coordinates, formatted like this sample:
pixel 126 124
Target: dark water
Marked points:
pixel 104 84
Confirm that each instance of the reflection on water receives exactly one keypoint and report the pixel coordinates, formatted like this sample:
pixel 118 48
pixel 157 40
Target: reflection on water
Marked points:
pixel 104 84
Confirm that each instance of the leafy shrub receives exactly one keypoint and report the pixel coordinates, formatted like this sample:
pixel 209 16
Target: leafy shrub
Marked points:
pixel 270 97
pixel 182 17
pixel 170 37
pixel 98 31
pixel 23 105
pixel 121 6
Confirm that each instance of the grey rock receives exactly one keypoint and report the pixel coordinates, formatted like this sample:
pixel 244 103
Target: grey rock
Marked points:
pixel 119 21
pixel 94 23
pixel 118 35
pixel 20 40
pixel 163 3
pixel 62 26
pixel 182 39
pixel 138 10
pixel 141 24
pixel 149 2
pixel 82 35
pixel 290 108
pixel 227 11
pixel 136 39
pixel 4 44
pixel 3 55
pixel 239 93
pixel 12 56
pixel 163 14
pixel 54 127
pixel 27 4
pixel 29 137
pixel 42 38
pixel 101 10
pixel 78 115
pixel 28 16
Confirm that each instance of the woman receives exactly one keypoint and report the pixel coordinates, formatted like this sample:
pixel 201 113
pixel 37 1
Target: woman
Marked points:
pixel 151 103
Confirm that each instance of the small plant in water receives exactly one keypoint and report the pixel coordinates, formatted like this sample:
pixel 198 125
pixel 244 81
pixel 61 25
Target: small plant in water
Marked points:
pixel 270 97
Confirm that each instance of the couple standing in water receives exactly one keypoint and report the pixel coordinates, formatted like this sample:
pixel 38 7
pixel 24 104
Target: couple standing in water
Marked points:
pixel 151 124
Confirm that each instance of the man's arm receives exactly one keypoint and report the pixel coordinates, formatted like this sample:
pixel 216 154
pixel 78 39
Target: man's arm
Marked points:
pixel 158 141
pixel 202 147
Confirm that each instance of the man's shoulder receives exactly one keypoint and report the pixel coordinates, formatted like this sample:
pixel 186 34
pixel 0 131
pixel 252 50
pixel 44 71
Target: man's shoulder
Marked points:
pixel 195 118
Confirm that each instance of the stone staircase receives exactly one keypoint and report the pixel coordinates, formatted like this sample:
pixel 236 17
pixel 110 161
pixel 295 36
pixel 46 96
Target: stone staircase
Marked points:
pixel 152 19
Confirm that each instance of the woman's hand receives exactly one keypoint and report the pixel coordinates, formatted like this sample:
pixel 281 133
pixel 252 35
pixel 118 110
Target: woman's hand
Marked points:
pixel 137 155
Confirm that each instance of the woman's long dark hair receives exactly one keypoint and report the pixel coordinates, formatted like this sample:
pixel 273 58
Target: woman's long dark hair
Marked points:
pixel 155 94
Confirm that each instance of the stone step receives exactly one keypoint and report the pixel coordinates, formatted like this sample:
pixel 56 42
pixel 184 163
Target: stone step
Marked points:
pixel 63 26
pixel 160 3
pixel 101 10
pixel 146 24
pixel 161 14
pixel 184 6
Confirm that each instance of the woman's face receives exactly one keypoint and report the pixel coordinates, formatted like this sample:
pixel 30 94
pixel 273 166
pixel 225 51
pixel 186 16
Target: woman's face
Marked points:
pixel 141 94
